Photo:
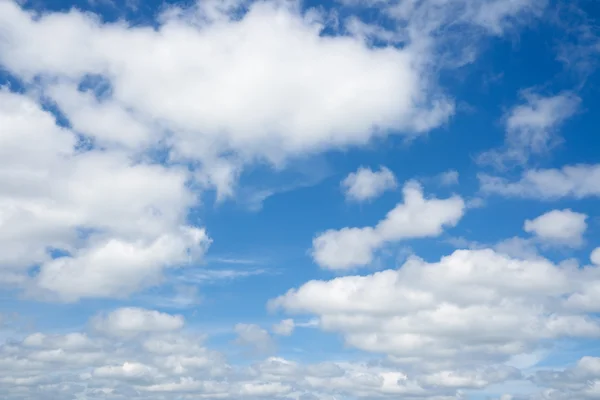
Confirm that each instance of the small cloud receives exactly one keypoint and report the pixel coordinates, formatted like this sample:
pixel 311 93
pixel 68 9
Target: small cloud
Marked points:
pixel 202 275
pixel 129 322
pixel 255 338
pixel 448 178
pixel 284 328
pixel 365 184
pixel 563 227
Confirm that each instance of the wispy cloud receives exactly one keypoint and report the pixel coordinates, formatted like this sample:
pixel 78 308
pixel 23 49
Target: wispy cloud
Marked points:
pixel 204 276
pixel 232 260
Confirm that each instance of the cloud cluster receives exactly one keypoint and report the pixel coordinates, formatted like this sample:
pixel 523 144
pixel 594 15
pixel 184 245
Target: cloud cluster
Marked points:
pixel 163 364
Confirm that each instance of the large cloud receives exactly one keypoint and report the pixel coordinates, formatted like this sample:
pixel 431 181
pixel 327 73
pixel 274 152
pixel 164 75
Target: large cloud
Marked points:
pixel 116 222
pixel 265 85
pixel 472 307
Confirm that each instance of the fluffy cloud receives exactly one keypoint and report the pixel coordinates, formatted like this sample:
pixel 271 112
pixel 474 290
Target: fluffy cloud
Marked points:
pixel 290 89
pixel 117 222
pixel 577 181
pixel 75 365
pixel 132 321
pixel 558 226
pixel 582 381
pixel 595 256
pixel 365 184
pixel 472 307
pixel 285 327
pixel 176 364
pixel 530 127
pixel 255 337
pixel 417 217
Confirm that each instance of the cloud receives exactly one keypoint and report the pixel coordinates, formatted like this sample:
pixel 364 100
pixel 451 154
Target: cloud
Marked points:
pixel 254 337
pixel 179 365
pixel 582 381
pixel 284 328
pixel 132 321
pixel 558 226
pixel 449 178
pixel 530 128
pixel 471 308
pixel 365 184
pixel 287 85
pixel 576 181
pixel 417 217
pixel 117 268
pixel 117 222
pixel 595 256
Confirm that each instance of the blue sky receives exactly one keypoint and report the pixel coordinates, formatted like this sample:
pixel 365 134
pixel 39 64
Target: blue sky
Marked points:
pixel 299 200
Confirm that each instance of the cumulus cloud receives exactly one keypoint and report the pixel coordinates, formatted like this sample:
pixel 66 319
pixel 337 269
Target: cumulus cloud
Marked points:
pixel 290 89
pixel 132 321
pixel 471 307
pixel 365 184
pixel 558 226
pixel 530 128
pixel 581 381
pixel 254 337
pixel 449 178
pixel 575 181
pixel 117 222
pixel 595 256
pixel 417 217
pixel 285 327
pixel 74 365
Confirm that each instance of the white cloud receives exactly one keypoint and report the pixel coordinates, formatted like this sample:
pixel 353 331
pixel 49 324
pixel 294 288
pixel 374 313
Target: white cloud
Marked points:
pixel 291 90
pixel 417 217
pixel 530 128
pixel 581 381
pixel 255 337
pixel 132 321
pixel 365 184
pixel 577 181
pixel 181 367
pixel 284 328
pixel 119 222
pixel 116 268
pixel 449 178
pixel 472 308
pixel 595 256
pixel 558 226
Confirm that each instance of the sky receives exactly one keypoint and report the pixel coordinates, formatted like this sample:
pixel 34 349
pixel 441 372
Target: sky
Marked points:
pixel 275 199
